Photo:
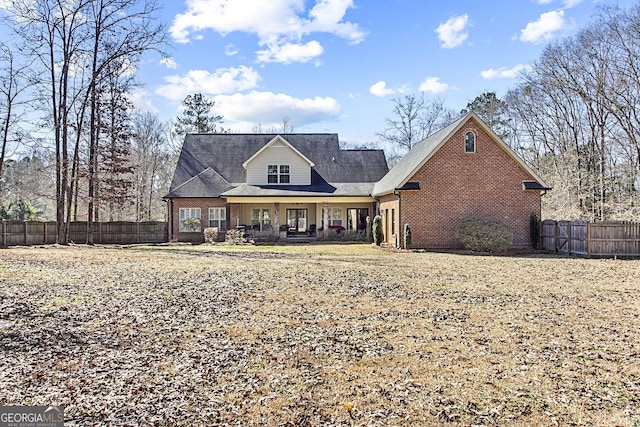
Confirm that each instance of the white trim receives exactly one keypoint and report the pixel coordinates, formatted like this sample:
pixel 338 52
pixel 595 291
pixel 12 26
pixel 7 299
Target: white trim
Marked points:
pixel 475 142
pixel 277 139
pixel 181 218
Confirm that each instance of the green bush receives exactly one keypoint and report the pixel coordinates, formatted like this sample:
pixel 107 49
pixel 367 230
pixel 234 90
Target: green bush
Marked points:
pixel 378 234
pixel 407 236
pixel 484 234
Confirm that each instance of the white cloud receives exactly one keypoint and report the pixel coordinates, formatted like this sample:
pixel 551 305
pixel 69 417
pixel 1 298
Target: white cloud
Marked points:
pixel 231 50
pixel 504 73
pixel 290 52
pixel 433 85
pixel 568 4
pixel 170 63
pixel 326 16
pixel 544 28
pixel 380 89
pixel 544 1
pixel 268 109
pixel 142 102
pixel 221 81
pixel 453 32
pixel 275 22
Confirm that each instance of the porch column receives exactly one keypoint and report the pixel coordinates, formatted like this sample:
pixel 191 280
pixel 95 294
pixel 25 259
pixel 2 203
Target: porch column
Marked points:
pixel 325 216
pixel 276 218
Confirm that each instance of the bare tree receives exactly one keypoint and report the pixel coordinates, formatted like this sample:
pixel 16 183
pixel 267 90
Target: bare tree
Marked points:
pixel 54 32
pixel 412 120
pixel 288 126
pixel 576 115
pixel 120 33
pixel 67 38
pixel 154 163
pixel 12 85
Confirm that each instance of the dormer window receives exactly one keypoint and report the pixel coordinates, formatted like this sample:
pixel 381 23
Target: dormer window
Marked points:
pixel 278 174
pixel 469 142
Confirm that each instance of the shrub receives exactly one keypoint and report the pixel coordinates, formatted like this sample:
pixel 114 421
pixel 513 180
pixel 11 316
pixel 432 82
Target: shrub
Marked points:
pixel 407 236
pixel 192 224
pixel 344 236
pixel 484 234
pixel 534 230
pixel 237 237
pixel 378 235
pixel 211 234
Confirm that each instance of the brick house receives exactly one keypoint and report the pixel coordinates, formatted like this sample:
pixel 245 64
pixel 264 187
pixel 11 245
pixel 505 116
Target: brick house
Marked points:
pixel 461 171
pixel 271 185
pixel 303 184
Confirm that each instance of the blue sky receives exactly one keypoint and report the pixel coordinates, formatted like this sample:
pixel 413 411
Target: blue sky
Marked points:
pixel 335 65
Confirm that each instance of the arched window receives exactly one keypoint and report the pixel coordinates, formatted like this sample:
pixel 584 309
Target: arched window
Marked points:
pixel 469 142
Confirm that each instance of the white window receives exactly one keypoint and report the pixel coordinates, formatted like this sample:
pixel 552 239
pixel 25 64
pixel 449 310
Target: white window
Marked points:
pixel 469 142
pixel 218 218
pixel 278 174
pixel 272 174
pixel 261 219
pixel 189 220
pixel 284 174
pixel 335 216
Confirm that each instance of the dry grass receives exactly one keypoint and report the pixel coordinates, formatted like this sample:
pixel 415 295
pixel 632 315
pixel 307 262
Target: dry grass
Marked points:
pixel 331 335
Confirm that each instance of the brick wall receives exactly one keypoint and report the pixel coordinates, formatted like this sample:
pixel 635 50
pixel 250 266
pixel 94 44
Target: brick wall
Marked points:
pixel 455 185
pixel 204 205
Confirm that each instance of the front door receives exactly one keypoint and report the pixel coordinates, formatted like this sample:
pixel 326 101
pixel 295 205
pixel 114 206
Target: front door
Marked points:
pixel 296 221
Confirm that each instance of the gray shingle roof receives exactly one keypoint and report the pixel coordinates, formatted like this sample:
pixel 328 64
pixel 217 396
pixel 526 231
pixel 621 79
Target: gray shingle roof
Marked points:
pixel 207 183
pixel 223 155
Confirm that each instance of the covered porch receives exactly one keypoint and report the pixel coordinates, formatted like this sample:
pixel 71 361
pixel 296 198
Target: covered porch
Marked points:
pixel 290 218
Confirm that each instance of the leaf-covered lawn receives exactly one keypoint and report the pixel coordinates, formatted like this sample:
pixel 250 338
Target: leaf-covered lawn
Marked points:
pixel 333 335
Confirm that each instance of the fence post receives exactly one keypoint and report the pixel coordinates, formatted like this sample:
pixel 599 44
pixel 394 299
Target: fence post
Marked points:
pixel 138 232
pixel 588 239
pixel 569 234
pixel 100 232
pixel 4 233
pixel 555 236
pixel 26 233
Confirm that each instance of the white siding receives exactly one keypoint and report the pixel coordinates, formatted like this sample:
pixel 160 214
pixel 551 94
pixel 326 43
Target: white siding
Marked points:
pixel 299 168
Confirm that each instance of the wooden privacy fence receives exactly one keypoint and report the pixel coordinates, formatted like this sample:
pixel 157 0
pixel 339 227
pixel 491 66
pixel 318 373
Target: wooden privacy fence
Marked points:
pixel 14 233
pixel 598 239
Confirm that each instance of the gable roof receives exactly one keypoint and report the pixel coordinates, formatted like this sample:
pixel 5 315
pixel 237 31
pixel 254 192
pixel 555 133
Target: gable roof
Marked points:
pixel 224 155
pixel 207 183
pixel 400 174
pixel 274 141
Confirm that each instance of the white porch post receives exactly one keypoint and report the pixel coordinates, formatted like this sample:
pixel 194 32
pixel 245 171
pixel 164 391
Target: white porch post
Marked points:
pixel 325 216
pixel 276 218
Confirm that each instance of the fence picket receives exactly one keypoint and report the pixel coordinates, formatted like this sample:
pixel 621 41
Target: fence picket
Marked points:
pixel 600 239
pixel 14 233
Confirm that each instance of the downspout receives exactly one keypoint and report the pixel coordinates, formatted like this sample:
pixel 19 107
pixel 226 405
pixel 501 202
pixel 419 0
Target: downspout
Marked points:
pixel 170 217
pixel 400 226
